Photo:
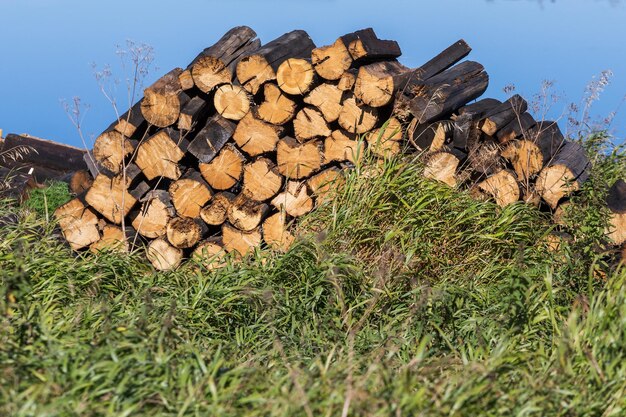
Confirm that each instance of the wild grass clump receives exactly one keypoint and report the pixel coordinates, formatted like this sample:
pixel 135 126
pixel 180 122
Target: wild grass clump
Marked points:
pixel 401 297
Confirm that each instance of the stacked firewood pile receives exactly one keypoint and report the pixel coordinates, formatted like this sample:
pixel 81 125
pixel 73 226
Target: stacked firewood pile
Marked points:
pixel 223 155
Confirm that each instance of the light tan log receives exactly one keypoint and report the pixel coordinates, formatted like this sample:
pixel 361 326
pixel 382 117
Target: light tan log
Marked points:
pixel 324 185
pixel 183 232
pixel 327 99
pixel 238 241
pixel 502 186
pixel 616 203
pixel 356 118
pixel 310 124
pixel 254 136
pixel 295 200
pixel 276 233
pixel 154 215
pixel 565 173
pixel 331 61
pixel 110 197
pixel 375 84
pixel 261 180
pixel 231 101
pixel 246 214
pixel 225 169
pixel 186 80
pixel 111 148
pixel 442 166
pixel 159 156
pixel 347 80
pixel 276 108
pixel 295 76
pixel 342 146
pixel 210 253
pixel 113 239
pixel 80 181
pixel 78 223
pixel 385 141
pixel 298 160
pixel 161 103
pixel 163 256
pixel 216 212
pixel 430 137
pixel 189 195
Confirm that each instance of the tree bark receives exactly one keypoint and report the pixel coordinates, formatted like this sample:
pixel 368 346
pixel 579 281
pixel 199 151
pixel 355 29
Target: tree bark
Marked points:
pixel 211 139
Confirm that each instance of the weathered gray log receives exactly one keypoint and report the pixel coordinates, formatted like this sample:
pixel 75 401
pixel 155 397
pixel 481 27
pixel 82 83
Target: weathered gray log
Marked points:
pixel 211 139
pixel 448 91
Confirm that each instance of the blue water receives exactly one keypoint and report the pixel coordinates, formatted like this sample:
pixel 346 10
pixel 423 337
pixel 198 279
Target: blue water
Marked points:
pixel 47 47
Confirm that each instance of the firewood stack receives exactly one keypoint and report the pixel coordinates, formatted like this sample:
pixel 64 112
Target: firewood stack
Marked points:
pixel 223 155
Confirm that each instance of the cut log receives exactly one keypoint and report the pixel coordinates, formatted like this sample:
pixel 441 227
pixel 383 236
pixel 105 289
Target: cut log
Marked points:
pixel 327 99
pixel 158 156
pixel 256 137
pixel 330 62
pixel 216 65
pixel 162 100
pixel 529 155
pixel 261 180
pixel 132 122
pixel 276 233
pixel 246 214
pixel 342 146
pixel 190 194
pixel 310 124
pixel 448 91
pixel 232 102
pixel 295 200
pixel 110 197
pixel 256 69
pixel 356 118
pixel 238 241
pixel 186 80
pixel 113 239
pixel 561 213
pixel 40 153
pixel 564 174
pixel 431 137
pixel 376 83
pixel 296 160
pixel 347 80
pixel 502 186
pixel 504 114
pixel 385 140
pixel 211 139
pixel 296 76
pixel 364 44
pixel 442 166
pixel 210 253
pixel 225 170
pixel 78 223
pixel 163 256
pixel 479 109
pixel 155 213
pixel 616 202
pixel 80 182
pixel 216 212
pixel 276 107
pixel 192 112
pixel 184 232
pixel 484 157
pixel 516 128
pixel 111 149
pixel 324 185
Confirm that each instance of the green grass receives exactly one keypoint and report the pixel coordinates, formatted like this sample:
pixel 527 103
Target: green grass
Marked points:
pixel 402 297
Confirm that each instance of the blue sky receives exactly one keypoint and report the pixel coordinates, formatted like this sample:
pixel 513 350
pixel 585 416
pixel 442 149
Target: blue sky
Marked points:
pixel 47 47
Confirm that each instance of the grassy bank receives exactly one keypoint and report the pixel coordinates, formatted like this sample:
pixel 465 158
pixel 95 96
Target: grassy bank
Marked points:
pixel 402 297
